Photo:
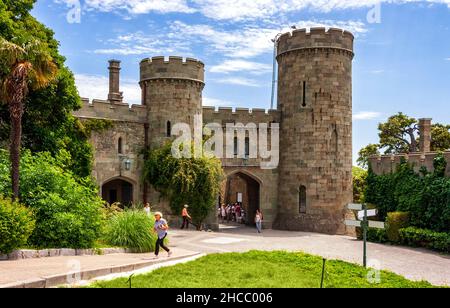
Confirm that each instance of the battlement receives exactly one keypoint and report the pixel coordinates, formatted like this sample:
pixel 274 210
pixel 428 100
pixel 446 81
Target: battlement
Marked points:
pixel 315 38
pixel 174 68
pixel 385 164
pixel 101 109
pixel 239 115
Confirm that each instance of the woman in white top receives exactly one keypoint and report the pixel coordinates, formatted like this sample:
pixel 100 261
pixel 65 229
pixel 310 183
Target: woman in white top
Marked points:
pixel 258 221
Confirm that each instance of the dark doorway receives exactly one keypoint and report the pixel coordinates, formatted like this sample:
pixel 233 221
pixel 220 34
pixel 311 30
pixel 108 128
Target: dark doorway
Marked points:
pixel 118 191
pixel 245 189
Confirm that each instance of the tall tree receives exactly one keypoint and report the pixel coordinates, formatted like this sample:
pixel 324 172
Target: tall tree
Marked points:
pixel 365 153
pixel 440 137
pixel 399 134
pixel 48 122
pixel 28 66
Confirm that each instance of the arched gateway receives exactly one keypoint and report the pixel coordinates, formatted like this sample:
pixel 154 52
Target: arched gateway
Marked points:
pixel 118 190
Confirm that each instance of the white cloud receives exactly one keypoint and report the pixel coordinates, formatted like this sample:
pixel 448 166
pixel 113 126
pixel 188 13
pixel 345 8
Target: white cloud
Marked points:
pixel 448 59
pixel 97 87
pixel 139 43
pixel 366 115
pixel 250 41
pixel 238 81
pixel 229 66
pixel 235 10
pixel 377 72
pixel 209 101
pixel 140 6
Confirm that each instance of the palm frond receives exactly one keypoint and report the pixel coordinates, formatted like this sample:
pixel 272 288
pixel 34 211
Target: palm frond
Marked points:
pixel 10 53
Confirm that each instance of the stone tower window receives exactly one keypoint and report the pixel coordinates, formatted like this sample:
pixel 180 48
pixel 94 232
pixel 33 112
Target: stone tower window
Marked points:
pixel 304 94
pixel 120 146
pixel 169 129
pixel 302 199
pixel 236 146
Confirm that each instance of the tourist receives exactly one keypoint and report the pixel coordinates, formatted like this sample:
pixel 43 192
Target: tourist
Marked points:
pixel 147 209
pixel 161 228
pixel 233 212
pixel 258 221
pixel 186 217
pixel 223 212
pixel 238 213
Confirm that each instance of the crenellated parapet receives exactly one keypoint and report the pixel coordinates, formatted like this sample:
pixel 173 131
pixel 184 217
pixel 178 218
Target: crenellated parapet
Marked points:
pixel 316 40
pixel 101 109
pixel 385 164
pixel 226 115
pixel 174 69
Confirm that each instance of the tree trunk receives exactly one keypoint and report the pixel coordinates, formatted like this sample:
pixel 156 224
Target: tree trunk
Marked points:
pixel 16 111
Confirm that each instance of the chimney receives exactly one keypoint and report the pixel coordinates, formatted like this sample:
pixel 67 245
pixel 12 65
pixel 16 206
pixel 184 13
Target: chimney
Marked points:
pixel 114 96
pixel 425 135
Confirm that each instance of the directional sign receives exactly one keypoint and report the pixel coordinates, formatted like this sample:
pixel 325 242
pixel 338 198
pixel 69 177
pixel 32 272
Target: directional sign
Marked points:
pixel 370 213
pixel 355 207
pixel 376 224
pixel 353 223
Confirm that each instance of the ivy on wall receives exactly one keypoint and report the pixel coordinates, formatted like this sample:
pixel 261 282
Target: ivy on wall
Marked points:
pixel 425 195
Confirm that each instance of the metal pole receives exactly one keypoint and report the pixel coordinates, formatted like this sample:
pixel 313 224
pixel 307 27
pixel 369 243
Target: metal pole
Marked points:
pixel 365 227
pixel 323 273
pixel 274 72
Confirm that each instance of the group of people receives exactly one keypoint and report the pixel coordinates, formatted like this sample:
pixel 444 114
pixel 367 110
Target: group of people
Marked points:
pixel 231 212
pixel 236 213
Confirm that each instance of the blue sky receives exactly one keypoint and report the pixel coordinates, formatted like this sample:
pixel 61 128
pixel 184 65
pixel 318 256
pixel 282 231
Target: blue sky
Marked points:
pixel 402 63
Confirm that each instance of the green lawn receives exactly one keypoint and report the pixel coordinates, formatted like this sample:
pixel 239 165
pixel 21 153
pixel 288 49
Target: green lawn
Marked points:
pixel 257 269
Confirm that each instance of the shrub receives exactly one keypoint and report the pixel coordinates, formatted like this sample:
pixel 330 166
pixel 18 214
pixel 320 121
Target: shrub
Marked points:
pixel 377 235
pixel 131 229
pixel 425 238
pixel 394 222
pixel 67 210
pixel 16 225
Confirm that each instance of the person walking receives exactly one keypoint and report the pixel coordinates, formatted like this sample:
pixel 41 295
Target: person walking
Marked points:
pixel 258 221
pixel 161 228
pixel 186 217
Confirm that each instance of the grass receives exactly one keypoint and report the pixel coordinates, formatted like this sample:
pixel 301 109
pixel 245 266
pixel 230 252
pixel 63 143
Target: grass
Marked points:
pixel 258 269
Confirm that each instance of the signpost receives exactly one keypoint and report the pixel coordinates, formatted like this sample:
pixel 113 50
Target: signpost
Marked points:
pixel 364 223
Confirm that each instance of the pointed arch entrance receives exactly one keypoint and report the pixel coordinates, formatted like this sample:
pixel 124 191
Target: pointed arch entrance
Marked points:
pixel 242 187
pixel 118 190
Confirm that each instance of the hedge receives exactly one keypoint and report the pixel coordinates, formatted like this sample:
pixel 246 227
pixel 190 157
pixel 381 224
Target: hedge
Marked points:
pixel 394 222
pixel 417 237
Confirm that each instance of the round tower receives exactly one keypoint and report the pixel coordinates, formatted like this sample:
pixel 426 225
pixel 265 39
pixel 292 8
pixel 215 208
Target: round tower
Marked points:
pixel 315 100
pixel 172 92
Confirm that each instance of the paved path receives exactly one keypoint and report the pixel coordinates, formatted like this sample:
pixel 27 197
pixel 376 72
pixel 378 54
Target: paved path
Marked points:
pixel 49 272
pixel 414 264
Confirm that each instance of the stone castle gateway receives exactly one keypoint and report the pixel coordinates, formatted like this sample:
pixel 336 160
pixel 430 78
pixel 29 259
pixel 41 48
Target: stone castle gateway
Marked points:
pixel 313 183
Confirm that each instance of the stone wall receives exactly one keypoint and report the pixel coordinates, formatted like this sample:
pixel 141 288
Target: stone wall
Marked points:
pixel 388 163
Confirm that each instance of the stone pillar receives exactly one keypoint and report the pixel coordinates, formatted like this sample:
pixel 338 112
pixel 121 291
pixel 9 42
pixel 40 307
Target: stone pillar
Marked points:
pixel 425 135
pixel 114 96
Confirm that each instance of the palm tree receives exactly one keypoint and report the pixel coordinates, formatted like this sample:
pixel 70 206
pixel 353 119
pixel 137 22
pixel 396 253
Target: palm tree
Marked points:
pixel 23 67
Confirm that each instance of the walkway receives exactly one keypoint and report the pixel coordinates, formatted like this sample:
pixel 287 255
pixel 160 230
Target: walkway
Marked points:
pixel 49 272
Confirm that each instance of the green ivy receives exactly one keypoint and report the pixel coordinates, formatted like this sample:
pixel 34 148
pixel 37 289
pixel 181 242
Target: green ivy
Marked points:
pixel 193 181
pixel 425 195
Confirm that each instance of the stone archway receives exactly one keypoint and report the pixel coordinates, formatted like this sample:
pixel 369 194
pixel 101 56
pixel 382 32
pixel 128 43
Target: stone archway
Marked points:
pixel 118 190
pixel 242 187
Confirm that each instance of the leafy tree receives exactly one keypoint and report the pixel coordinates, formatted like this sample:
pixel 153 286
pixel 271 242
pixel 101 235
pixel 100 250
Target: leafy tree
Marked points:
pixel 365 153
pixel 48 123
pixel 399 134
pixel 193 181
pixel 440 137
pixel 29 66
pixel 359 184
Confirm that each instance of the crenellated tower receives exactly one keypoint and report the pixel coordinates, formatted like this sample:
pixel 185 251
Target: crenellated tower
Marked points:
pixel 315 101
pixel 172 93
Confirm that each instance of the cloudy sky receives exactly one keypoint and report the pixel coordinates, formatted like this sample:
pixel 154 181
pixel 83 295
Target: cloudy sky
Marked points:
pixel 402 48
